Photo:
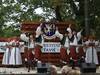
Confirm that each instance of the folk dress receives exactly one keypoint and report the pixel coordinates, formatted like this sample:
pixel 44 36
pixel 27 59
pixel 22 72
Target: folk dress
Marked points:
pixel 15 57
pixel 29 55
pixel 64 50
pixel 73 45
pixel 6 55
pixel 91 53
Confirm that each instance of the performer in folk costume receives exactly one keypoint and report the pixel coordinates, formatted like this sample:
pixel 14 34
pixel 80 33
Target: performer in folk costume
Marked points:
pixel 7 53
pixel 74 37
pixel 39 34
pixel 64 51
pixel 30 53
pixel 73 45
pixel 15 57
pixel 91 53
pixel 39 42
pixel 43 32
pixel 81 51
pixel 29 50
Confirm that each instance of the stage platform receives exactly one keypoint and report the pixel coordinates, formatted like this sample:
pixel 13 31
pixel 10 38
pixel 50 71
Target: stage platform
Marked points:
pixel 23 70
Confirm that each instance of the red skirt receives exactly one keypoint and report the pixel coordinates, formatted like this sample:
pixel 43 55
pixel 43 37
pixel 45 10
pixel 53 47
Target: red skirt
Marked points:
pixel 29 55
pixel 73 53
pixel 37 51
pixel 63 54
pixel 80 52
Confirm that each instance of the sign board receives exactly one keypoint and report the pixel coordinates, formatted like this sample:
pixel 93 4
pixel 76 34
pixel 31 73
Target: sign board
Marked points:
pixel 51 47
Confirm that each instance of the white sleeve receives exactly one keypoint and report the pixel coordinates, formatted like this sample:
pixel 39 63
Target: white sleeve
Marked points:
pixel 24 37
pixel 5 43
pixel 87 43
pixel 96 43
pixel 79 36
pixel 58 35
pixel 75 42
pixel 38 31
pixel 69 30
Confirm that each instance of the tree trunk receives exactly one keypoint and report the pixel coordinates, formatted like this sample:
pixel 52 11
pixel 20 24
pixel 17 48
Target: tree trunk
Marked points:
pixel 57 13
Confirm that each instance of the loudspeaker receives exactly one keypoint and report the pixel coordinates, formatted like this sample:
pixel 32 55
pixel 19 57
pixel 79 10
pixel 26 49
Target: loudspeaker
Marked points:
pixel 42 67
pixel 88 68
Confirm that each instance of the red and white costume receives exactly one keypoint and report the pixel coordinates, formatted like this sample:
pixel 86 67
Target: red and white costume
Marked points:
pixel 15 57
pixel 91 53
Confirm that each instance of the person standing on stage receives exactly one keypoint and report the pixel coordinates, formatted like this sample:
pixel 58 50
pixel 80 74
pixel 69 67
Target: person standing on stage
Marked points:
pixel 39 34
pixel 15 57
pixel 74 38
pixel 80 49
pixel 65 48
pixel 30 53
pixel 39 39
pixel 91 53
pixel 73 45
pixel 7 53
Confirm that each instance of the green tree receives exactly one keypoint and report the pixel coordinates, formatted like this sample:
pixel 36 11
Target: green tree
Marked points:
pixel 17 11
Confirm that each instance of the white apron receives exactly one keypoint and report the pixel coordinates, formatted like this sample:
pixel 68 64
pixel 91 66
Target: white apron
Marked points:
pixel 91 54
pixel 15 58
pixel 6 57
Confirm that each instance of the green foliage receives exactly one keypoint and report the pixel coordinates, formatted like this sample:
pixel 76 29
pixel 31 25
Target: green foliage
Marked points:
pixel 17 11
pixel 10 31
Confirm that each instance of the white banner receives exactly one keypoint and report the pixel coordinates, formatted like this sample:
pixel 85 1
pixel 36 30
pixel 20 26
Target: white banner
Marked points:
pixel 51 47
